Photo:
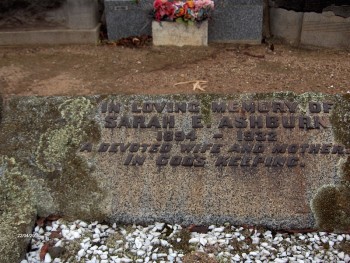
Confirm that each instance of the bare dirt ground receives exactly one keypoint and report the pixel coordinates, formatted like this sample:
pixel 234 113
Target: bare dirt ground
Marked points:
pixel 109 69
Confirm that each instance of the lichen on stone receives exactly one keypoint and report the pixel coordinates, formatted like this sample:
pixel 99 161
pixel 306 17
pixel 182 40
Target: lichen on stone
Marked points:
pixel 68 174
pixel 17 210
pixel 331 207
pixel 331 203
pixel 206 102
pixel 55 145
pixel 1 108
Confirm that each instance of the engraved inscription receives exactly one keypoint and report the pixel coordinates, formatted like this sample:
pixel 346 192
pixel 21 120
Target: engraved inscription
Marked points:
pixel 240 134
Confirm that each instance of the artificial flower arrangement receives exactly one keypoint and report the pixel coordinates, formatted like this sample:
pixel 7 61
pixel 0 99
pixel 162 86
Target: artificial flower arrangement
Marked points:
pixel 188 11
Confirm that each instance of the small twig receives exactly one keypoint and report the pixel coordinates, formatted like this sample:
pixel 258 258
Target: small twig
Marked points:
pixel 253 55
pixel 196 84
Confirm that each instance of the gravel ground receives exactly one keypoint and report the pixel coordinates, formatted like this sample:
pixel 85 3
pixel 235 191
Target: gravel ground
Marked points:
pixel 228 68
pixel 78 241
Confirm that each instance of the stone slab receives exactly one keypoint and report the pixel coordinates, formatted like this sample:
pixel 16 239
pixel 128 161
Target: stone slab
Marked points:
pixel 82 14
pixel 50 36
pixel 286 25
pixel 179 34
pixel 325 30
pixel 126 18
pixel 237 21
pixel 257 159
pixel 232 21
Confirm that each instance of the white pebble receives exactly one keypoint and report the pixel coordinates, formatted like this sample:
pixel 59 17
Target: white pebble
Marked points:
pixel 81 253
pixel 203 241
pixel 341 255
pixel 47 258
pixel 219 229
pixel 126 260
pixel 59 243
pixel 159 226
pixel 193 240
pixel 164 243
pixel 340 238
pixel 236 258
pixel 141 253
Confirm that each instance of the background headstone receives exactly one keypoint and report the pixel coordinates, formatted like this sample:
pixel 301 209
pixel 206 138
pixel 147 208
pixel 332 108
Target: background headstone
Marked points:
pixel 127 18
pixel 82 14
pixel 236 21
pixel 232 21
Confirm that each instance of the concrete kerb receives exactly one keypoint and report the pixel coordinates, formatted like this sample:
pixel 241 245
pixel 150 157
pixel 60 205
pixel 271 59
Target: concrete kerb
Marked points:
pixel 50 36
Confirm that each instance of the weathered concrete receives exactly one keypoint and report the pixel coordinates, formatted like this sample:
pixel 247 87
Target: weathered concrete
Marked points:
pixel 82 14
pixel 286 25
pixel 180 34
pixel 325 30
pixel 75 22
pixel 50 36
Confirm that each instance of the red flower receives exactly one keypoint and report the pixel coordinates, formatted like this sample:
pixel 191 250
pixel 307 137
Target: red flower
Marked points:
pixel 163 9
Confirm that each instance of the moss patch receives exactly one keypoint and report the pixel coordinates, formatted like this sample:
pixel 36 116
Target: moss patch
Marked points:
pixel 340 120
pixel 206 101
pixel 198 257
pixel 57 144
pixel 17 210
pixel 1 109
pixel 44 135
pixel 183 244
pixel 56 155
pixel 331 204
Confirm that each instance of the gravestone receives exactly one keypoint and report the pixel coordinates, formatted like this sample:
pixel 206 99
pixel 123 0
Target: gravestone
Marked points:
pixel 258 159
pixel 82 14
pixel 237 21
pixel 127 18
pixel 232 20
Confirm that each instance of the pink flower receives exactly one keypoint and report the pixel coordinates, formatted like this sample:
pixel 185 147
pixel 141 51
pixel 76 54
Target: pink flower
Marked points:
pixel 162 9
pixel 199 4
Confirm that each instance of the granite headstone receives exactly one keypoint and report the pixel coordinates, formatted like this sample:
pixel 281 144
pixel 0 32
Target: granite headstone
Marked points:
pixel 236 21
pixel 232 20
pixel 127 18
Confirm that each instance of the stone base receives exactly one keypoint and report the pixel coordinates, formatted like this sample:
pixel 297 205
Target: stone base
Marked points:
pixel 50 36
pixel 311 29
pixel 179 34
pixel 286 25
pixel 326 30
